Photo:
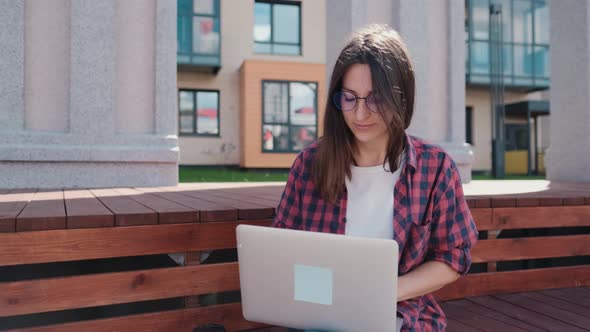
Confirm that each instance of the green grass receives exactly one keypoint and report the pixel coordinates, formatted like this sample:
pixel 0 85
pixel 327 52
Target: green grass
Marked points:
pixel 223 174
pixel 231 174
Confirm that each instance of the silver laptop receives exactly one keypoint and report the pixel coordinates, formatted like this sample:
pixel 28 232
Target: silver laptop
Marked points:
pixel 317 281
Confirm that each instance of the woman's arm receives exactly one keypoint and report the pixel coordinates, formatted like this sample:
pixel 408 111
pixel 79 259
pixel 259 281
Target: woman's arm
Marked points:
pixel 425 279
pixel 453 233
pixel 288 210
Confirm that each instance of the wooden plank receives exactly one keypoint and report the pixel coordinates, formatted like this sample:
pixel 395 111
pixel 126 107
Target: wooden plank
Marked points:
pixel 547 310
pixel 578 200
pixel 245 210
pixel 481 311
pixel 482 218
pixel 193 258
pixel 45 211
pixel 540 217
pixel 11 205
pixel 26 297
pixel 249 197
pixel 542 322
pixel 474 320
pixel 454 325
pixel 531 248
pixel 86 211
pixel 515 281
pixel 550 201
pixel 183 320
pixel 569 295
pixel 168 212
pixel 527 201
pixel 127 211
pixel 507 201
pixel 79 244
pixel 208 212
pixel 574 307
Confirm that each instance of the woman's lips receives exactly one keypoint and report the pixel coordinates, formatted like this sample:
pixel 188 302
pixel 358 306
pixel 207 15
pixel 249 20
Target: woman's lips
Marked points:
pixel 363 127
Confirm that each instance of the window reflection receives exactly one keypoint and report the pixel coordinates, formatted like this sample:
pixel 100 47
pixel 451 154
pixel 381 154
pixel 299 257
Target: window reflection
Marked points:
pixel 289 115
pixel 525 48
pixel 277 28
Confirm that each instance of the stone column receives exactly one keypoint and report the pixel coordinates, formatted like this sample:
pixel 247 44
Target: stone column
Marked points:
pixel 102 146
pixel 568 156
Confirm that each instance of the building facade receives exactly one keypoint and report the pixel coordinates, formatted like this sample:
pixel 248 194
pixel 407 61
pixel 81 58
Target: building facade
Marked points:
pixel 525 50
pixel 251 80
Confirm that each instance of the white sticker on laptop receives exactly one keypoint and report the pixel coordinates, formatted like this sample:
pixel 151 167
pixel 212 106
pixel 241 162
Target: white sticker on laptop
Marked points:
pixel 313 284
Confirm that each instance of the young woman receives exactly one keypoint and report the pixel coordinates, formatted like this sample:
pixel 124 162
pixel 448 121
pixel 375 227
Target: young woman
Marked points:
pixel 367 177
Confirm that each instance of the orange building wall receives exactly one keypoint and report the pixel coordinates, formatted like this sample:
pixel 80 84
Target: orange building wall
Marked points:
pixel 252 73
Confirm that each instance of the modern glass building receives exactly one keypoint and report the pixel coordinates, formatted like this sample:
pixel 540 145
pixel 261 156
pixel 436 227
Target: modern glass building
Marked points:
pixel 526 74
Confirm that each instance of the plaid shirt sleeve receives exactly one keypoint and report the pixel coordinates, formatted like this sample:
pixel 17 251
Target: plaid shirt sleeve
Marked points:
pixel 288 214
pixel 453 229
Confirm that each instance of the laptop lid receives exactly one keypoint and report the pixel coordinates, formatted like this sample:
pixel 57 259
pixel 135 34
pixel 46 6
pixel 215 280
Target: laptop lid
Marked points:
pixel 310 280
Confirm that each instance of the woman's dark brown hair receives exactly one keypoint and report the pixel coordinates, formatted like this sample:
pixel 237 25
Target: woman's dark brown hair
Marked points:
pixel 383 50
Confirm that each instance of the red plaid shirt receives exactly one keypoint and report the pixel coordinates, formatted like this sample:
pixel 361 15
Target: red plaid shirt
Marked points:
pixel 431 219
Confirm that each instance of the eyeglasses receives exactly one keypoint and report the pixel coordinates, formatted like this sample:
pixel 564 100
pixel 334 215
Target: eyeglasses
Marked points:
pixel 347 101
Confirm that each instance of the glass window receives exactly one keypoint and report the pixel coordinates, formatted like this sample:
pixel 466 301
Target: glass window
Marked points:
pixel 523 60
pixel 289 115
pixel 198 32
pixel 480 58
pixel 276 106
pixel 525 48
pixel 523 21
pixel 198 112
pixel 262 22
pixel 285 24
pixel 481 15
pixel 277 28
pixel 205 35
pixel 206 7
pixel 541 57
pixel 516 137
pixel 541 23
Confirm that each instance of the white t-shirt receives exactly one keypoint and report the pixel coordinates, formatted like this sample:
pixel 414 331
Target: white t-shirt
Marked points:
pixel 369 212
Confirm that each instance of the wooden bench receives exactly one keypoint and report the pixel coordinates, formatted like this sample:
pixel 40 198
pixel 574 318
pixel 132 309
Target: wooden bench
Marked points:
pixel 43 230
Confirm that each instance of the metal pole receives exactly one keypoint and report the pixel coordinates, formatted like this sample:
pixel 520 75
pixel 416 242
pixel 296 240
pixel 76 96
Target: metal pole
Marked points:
pixel 497 90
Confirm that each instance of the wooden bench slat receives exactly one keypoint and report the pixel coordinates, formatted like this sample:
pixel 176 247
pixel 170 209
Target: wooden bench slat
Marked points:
pixel 11 205
pixel 245 210
pixel 168 212
pixel 541 217
pixel 530 248
pixel 25 297
pixel 92 243
pixel 84 210
pixel 483 218
pixel 515 281
pixel 183 320
pixel 208 212
pixel 252 197
pixel 45 211
pixel 127 211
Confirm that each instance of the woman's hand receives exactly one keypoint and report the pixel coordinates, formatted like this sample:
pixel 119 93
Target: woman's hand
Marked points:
pixel 426 278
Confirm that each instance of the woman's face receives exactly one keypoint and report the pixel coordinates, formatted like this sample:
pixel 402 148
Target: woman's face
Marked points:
pixel 369 128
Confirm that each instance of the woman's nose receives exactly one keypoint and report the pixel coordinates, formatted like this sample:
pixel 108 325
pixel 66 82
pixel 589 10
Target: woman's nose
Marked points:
pixel 362 111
